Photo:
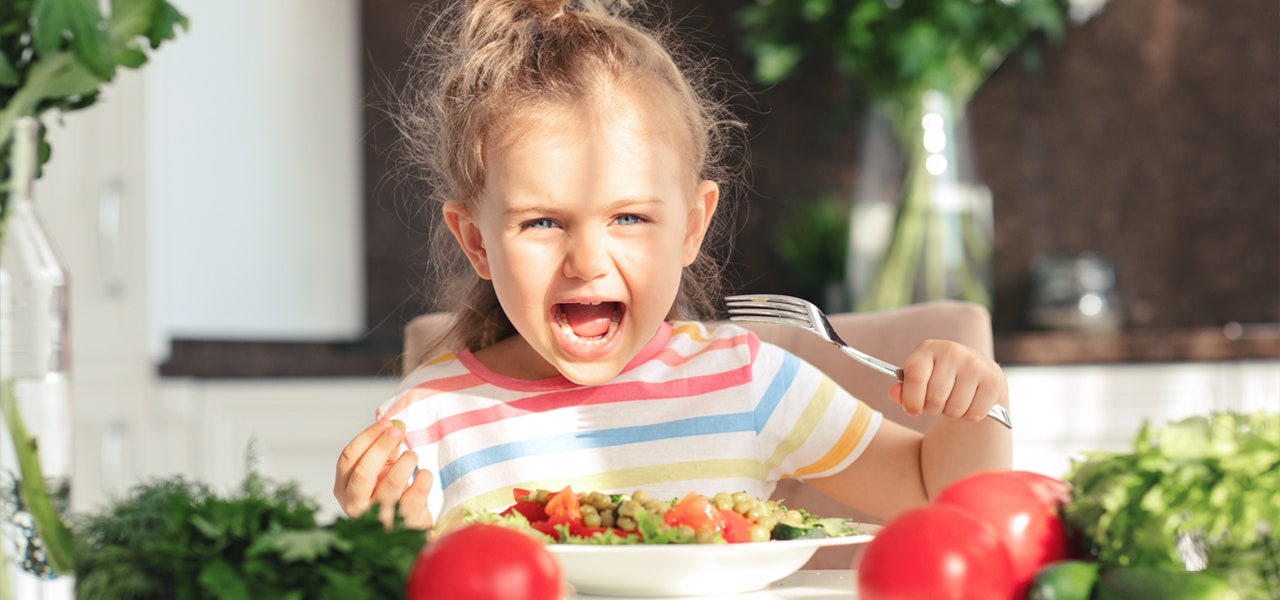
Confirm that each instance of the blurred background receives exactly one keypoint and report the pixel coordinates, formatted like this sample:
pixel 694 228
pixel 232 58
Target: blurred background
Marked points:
pixel 244 251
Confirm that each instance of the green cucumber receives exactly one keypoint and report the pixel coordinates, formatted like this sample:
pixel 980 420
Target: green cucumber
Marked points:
pixel 1141 582
pixel 782 531
pixel 814 529
pixel 1064 580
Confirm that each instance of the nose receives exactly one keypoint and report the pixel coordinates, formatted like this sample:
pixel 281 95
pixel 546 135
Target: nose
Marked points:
pixel 587 256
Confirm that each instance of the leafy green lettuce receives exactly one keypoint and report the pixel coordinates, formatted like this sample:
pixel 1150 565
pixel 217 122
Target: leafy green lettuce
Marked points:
pixel 1199 493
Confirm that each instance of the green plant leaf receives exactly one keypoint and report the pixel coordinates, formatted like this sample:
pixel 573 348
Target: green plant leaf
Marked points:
pixel 164 24
pixel 299 546
pixel 131 18
pixel 77 23
pixel 135 20
pixel 220 580
pixel 8 75
pixel 775 62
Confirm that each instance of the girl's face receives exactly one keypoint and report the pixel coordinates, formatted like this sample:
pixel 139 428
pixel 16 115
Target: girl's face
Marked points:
pixel 584 227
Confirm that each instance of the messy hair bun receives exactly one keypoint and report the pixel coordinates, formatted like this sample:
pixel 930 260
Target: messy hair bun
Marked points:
pixel 486 64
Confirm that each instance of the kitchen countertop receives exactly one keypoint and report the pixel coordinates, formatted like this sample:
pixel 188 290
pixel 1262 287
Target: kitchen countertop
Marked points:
pixel 1232 342
pixel 369 358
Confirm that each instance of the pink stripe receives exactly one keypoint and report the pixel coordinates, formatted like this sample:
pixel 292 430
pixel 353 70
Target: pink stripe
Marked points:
pixel 618 392
pixel 431 388
pixel 672 357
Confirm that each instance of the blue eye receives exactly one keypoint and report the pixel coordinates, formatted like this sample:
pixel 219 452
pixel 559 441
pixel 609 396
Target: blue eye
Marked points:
pixel 629 219
pixel 543 223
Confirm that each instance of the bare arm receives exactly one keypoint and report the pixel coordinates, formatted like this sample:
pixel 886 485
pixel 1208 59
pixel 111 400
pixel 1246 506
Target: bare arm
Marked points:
pixel 901 468
pixel 948 380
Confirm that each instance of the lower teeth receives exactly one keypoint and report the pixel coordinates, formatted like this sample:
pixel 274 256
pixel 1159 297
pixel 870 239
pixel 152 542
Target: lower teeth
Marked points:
pixel 598 339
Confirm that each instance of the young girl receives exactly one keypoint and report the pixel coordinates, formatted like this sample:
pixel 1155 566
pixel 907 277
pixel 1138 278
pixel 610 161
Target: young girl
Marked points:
pixel 575 164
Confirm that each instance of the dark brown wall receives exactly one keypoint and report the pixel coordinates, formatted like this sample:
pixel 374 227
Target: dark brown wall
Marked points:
pixel 1150 134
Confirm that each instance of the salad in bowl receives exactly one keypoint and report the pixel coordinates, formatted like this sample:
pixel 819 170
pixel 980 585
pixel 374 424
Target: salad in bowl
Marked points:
pixel 639 546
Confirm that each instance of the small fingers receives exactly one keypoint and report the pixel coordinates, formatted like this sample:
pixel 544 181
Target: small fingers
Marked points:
pixel 939 389
pixel 962 397
pixel 356 448
pixel 413 503
pixel 396 479
pixel 916 372
pixel 987 396
pixel 356 493
pixel 392 485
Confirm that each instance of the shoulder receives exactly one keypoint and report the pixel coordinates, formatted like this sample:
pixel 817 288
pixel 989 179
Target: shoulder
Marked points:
pixel 441 374
pixel 691 337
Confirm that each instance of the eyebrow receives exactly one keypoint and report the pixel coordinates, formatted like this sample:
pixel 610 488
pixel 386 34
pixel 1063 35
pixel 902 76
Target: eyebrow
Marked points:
pixel 616 206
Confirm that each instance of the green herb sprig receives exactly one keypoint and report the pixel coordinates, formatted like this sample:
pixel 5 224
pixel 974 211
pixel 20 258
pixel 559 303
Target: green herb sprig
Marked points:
pixel 173 538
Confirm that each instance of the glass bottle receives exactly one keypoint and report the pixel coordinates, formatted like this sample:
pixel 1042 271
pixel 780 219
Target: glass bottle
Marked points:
pixel 921 223
pixel 35 404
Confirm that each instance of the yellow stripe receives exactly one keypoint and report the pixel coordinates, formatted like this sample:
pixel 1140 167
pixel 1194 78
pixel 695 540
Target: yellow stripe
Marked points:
pixel 439 358
pixel 805 425
pixel 626 479
pixel 849 440
pixel 690 329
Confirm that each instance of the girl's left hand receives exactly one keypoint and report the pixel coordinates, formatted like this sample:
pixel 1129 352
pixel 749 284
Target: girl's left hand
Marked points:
pixel 942 377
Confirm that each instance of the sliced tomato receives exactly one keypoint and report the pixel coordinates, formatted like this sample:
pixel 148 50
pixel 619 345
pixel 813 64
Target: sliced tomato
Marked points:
pixel 737 528
pixel 695 511
pixel 532 511
pixel 545 527
pixel 564 503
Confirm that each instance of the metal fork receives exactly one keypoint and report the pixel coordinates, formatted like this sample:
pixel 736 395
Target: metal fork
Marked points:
pixel 797 312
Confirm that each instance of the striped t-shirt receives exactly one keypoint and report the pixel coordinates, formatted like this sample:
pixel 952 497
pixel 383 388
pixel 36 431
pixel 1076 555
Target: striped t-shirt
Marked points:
pixel 699 409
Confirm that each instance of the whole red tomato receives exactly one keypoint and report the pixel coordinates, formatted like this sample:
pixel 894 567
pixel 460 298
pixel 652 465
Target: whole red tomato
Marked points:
pixel 484 562
pixel 1053 492
pixel 936 552
pixel 1023 509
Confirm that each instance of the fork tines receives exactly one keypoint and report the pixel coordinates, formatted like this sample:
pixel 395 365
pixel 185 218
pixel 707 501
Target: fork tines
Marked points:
pixel 767 308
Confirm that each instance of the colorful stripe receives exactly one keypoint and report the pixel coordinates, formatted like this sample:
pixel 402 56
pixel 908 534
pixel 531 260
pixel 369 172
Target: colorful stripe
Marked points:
pixel 848 442
pixel 434 387
pixel 752 421
pixel 813 413
pixel 619 392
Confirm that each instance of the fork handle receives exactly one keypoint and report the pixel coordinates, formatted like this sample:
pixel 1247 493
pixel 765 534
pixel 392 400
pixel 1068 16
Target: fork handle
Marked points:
pixel 885 367
pixel 998 413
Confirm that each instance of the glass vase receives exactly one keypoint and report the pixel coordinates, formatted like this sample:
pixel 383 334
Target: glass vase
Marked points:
pixel 920 224
pixel 35 405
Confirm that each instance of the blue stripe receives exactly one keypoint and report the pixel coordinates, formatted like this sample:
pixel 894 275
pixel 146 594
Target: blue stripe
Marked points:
pixel 569 442
pixel 777 389
pixel 706 425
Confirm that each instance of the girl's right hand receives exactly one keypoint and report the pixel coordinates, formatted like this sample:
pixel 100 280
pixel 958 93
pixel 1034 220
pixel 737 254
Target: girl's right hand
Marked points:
pixel 369 472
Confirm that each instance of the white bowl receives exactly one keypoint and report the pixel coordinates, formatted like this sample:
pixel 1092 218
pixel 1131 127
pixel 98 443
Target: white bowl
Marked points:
pixel 650 571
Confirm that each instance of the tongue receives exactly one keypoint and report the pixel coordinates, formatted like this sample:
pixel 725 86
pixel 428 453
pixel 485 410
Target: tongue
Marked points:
pixel 588 320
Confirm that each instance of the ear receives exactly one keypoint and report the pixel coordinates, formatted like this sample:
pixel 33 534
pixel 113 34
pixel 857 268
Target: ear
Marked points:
pixel 706 198
pixel 458 216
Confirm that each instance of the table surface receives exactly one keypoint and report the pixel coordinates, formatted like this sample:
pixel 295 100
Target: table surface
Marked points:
pixel 809 585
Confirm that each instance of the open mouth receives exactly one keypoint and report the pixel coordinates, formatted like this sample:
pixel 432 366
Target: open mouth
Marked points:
pixel 588 323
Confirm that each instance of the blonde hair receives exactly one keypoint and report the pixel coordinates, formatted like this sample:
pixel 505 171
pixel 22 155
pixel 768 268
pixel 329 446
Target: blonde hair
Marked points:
pixel 488 65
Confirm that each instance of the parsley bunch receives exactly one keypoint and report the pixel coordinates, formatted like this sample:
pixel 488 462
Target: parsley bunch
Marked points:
pixel 174 538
